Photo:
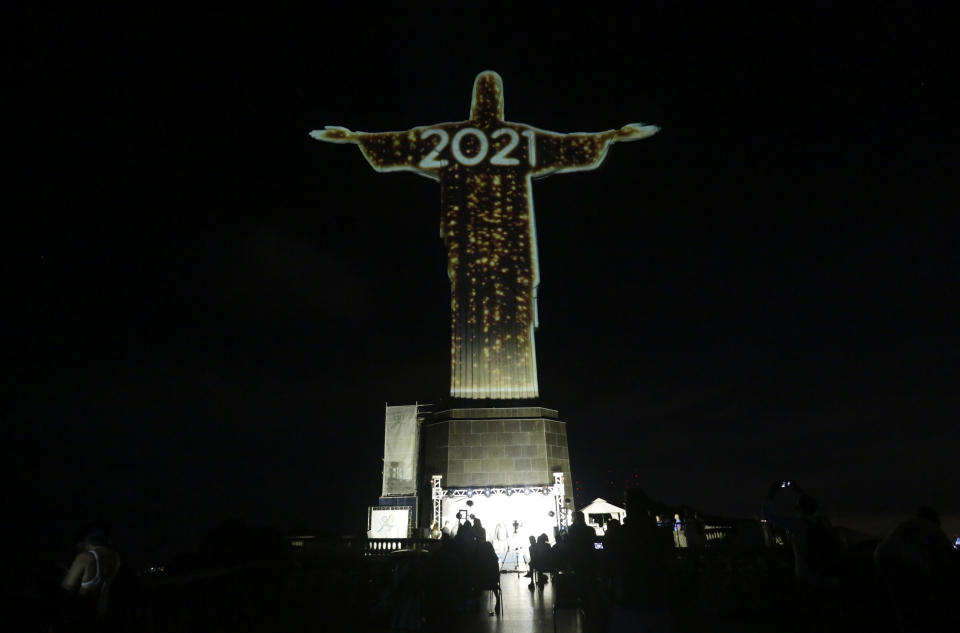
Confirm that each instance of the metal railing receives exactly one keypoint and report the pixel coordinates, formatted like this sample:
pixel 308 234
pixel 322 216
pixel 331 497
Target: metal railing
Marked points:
pixel 384 546
pixel 717 535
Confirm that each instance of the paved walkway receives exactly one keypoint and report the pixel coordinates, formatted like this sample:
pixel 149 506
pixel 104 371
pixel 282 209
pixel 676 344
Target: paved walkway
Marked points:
pixel 526 611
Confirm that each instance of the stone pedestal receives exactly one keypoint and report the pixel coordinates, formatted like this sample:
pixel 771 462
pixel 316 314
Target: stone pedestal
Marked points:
pixel 484 447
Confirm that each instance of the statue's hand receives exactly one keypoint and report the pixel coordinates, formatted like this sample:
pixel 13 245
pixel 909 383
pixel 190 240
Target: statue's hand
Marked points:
pixel 334 134
pixel 636 131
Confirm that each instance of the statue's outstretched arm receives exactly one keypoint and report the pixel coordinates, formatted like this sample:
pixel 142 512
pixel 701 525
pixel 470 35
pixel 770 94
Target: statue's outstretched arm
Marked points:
pixel 385 151
pixel 336 134
pixel 634 132
pixel 582 150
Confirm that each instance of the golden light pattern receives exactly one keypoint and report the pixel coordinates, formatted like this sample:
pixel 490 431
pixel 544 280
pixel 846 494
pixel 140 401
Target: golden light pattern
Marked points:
pixel 485 166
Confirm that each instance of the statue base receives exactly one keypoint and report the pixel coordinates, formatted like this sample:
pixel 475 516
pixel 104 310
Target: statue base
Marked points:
pixel 481 451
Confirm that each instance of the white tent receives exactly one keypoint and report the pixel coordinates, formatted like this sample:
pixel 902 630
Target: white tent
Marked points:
pixel 600 506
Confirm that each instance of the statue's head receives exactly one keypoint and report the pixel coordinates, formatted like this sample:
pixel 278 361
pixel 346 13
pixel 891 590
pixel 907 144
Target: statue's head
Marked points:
pixel 487 104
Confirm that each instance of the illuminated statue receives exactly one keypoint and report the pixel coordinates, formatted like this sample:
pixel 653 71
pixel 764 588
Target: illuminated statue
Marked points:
pixel 485 166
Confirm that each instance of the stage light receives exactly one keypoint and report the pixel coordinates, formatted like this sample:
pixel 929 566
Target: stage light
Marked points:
pixel 470 492
pixel 545 491
pixel 486 492
pixel 551 514
pixel 509 492
pixel 527 491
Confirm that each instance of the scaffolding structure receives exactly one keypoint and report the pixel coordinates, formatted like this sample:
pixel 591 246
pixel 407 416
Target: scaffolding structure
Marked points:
pixel 491 491
pixel 436 494
pixel 561 510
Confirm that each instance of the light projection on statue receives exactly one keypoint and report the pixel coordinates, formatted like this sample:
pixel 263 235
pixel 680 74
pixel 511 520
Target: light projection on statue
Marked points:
pixel 485 166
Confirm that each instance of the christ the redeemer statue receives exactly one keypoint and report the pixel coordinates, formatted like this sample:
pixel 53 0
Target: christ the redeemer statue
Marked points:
pixel 485 166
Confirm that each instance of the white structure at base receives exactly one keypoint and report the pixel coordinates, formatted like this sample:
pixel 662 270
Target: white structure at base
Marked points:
pixel 601 507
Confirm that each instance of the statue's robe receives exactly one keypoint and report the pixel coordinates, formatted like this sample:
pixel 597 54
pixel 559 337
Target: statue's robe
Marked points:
pixel 487 224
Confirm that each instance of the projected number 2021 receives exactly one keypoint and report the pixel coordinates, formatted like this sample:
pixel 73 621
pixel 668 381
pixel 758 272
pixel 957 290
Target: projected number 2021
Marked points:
pixel 500 157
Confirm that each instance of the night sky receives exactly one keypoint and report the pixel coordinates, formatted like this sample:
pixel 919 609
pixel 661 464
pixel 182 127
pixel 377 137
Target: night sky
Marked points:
pixel 210 309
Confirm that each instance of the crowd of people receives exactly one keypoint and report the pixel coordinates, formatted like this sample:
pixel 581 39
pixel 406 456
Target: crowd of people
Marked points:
pixel 916 570
pixel 806 579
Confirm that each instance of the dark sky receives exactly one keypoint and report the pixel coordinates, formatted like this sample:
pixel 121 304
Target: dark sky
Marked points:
pixel 210 309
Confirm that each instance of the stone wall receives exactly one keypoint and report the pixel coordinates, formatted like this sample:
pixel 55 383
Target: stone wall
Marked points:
pixel 496 447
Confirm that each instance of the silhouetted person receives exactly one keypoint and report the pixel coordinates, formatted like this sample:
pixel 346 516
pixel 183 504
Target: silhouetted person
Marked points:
pixel 612 526
pixel 817 550
pixel 576 567
pixel 89 578
pixel 580 537
pixel 479 532
pixel 613 547
pixel 694 528
pixel 488 572
pixel 544 558
pixel 647 553
pixel 444 581
pixel 533 552
pixel 915 563
pixel 464 537
pixel 580 534
pixel 916 547
pixel 406 592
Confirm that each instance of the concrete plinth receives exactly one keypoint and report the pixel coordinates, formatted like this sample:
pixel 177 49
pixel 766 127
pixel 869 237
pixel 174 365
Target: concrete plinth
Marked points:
pixel 481 447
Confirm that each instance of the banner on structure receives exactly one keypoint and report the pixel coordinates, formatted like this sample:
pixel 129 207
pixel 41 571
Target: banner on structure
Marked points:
pixel 400 450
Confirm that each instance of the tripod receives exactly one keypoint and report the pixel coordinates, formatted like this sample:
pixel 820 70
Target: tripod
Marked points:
pixel 516 559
